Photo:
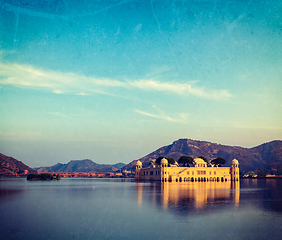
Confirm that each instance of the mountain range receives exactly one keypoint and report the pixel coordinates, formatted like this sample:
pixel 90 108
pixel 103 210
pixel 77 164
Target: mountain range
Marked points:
pixel 262 157
pixel 265 157
pixel 85 165
pixel 11 167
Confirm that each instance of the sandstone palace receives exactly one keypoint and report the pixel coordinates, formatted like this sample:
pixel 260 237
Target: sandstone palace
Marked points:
pixel 199 171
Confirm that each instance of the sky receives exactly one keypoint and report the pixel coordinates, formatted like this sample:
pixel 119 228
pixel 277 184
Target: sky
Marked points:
pixel 112 81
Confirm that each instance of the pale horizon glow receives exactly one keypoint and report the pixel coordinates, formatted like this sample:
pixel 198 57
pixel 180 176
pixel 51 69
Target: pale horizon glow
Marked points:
pixel 114 81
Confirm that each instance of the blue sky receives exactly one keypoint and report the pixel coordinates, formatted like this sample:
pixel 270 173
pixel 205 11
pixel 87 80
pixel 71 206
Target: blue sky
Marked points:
pixel 115 80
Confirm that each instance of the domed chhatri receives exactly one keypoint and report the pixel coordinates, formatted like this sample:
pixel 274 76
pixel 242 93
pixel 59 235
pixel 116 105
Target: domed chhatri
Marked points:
pixel 235 162
pixel 164 161
pixel 199 171
pixel 199 162
pixel 138 164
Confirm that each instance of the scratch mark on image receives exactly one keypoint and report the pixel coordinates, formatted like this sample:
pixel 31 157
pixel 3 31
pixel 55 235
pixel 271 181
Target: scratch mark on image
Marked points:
pixel 16 29
pixel 157 20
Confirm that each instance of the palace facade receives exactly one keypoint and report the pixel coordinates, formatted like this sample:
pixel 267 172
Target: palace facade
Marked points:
pixel 200 171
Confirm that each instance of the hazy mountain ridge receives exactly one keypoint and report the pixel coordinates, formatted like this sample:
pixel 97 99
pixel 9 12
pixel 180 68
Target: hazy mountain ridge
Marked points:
pixel 10 167
pixel 266 156
pixel 85 165
pixel 249 158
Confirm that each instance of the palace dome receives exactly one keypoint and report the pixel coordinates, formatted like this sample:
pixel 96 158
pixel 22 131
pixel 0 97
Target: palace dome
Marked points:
pixel 138 163
pixel 199 160
pixel 235 161
pixel 164 161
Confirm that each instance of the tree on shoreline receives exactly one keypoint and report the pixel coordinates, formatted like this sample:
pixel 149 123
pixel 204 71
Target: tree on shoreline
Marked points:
pixel 159 159
pixel 43 176
pixel 218 161
pixel 171 161
pixel 185 161
pixel 202 157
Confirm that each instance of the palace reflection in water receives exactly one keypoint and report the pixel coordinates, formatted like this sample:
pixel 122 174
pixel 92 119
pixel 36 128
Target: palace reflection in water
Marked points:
pixel 120 208
pixel 192 195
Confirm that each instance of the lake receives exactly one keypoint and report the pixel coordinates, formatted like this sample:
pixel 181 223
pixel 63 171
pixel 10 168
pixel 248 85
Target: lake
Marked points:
pixel 123 209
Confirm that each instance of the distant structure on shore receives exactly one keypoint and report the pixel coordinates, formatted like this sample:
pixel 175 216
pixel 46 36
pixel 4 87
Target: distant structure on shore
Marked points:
pixel 200 171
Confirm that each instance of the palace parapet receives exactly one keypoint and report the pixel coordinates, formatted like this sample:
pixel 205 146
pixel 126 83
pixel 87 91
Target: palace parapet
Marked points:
pixel 199 171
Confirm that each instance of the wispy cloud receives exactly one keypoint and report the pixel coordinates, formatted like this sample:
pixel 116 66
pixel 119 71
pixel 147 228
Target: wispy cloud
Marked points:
pixel 70 115
pixel 71 83
pixel 179 88
pixel 82 94
pixel 58 114
pixel 182 118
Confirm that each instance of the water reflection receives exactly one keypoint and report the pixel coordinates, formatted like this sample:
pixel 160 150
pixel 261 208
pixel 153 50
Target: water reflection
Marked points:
pixel 192 195
pixel 263 193
pixel 7 194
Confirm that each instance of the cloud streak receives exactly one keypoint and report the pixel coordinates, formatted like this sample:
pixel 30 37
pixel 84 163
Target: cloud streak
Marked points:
pixel 71 83
pixel 58 114
pixel 179 88
pixel 181 119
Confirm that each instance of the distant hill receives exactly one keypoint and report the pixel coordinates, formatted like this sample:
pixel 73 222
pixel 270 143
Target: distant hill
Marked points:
pixel 259 157
pixel 11 167
pixel 85 165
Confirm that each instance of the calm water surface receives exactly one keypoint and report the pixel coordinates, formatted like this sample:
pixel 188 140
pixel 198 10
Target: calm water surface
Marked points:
pixel 122 209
